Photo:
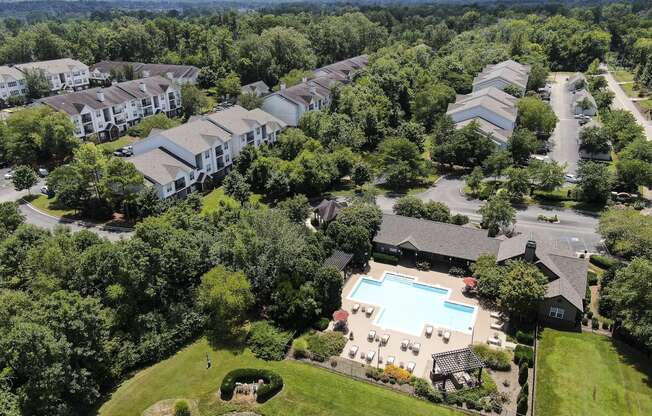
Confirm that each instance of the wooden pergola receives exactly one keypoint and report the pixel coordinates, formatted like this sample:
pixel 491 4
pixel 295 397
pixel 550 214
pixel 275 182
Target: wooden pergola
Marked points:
pixel 447 365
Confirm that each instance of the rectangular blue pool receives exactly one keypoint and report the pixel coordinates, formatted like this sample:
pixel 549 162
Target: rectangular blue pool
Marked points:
pixel 407 306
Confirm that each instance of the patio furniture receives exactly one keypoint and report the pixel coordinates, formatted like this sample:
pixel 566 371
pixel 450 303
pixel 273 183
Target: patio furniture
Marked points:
pixel 447 366
pixel 370 311
pixel 497 326
pixel 416 348
pixel 404 344
pixel 410 366
pixel 390 360
pixel 401 365
pixel 496 315
pixel 468 379
pixel 371 335
pixel 384 339
pixel 353 351
pixel 355 308
pixel 364 309
pixel 439 331
pixel 494 341
pixel 370 355
pixel 363 355
pixel 429 331
pixel 447 336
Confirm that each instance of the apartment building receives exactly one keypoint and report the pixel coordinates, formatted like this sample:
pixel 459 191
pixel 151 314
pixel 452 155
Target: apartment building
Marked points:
pixel 12 84
pixel 62 74
pixel 502 75
pixel 204 147
pixel 106 71
pixel 290 103
pixel 109 112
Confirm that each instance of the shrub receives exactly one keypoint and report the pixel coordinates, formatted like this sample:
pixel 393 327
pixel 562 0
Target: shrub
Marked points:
pixel 524 354
pixel 300 348
pixel 397 373
pixel 592 278
pixel 181 408
pixel 589 314
pixel 268 342
pixel 522 374
pixel 423 265
pixel 521 406
pixel 424 390
pixel 595 324
pixel 525 390
pixel 498 360
pixel 585 321
pixel 326 345
pixel 602 261
pixel 459 219
pixel 525 337
pixel 606 323
pixel 273 383
pixel 457 271
pixel 322 324
pixel 385 258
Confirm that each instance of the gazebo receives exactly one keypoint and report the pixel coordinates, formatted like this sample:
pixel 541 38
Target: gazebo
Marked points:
pixel 453 370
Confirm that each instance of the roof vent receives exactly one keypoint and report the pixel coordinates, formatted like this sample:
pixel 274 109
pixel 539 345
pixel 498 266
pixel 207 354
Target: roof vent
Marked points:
pixel 142 87
pixel 100 95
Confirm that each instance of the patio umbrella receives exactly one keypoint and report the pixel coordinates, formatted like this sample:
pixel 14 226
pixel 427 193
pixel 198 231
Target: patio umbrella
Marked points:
pixel 470 282
pixel 340 315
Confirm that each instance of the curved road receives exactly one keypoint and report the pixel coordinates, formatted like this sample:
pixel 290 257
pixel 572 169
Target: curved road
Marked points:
pixel 575 230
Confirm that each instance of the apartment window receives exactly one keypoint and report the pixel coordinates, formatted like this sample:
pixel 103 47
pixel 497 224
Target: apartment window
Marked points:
pixel 250 137
pixel 14 92
pixel 192 176
pixel 21 82
pixel 227 159
pixel 556 312
pixel 180 183
pixel 219 151
pixel 209 167
pixel 257 130
pixel 12 83
pixel 207 154
pixel 2 84
pixel 226 146
pixel 168 188
pixel 311 107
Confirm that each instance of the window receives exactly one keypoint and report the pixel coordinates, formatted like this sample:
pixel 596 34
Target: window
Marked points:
pixel 207 154
pixel 226 146
pixel 192 176
pixel 209 167
pixel 556 312
pixel 219 151
pixel 311 107
pixel 257 130
pixel 227 158
pixel 12 83
pixel 168 188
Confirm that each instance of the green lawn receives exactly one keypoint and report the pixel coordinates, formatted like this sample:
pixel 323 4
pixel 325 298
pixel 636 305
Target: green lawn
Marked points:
pixel 645 104
pixel 49 206
pixel 629 90
pixel 211 200
pixel 118 143
pixel 588 374
pixel 307 390
pixel 623 76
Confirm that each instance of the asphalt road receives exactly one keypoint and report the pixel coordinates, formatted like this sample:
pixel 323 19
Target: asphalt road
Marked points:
pixel 622 102
pixel 576 231
pixel 565 137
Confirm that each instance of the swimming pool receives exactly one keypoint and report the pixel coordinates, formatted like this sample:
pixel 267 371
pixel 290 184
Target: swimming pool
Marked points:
pixel 407 305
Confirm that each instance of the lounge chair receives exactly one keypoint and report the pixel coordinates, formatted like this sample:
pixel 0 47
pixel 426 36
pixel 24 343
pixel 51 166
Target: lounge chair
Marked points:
pixel 497 326
pixel 370 355
pixel 371 335
pixel 384 339
pixel 429 331
pixel 404 344
pixel 355 308
pixel 447 336
pixel 416 347
pixel 410 366
pixel 496 315
pixel 370 311
pixel 390 360
pixel 494 341
pixel 439 331
pixel 353 351
pixel 468 379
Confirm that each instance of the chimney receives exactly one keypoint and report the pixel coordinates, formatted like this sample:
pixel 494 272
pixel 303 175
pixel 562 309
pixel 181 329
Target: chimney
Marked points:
pixel 100 95
pixel 142 87
pixel 145 73
pixel 313 89
pixel 530 249
pixel 282 86
pixel 169 75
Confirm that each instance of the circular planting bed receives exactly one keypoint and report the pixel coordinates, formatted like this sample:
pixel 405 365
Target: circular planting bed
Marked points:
pixel 249 380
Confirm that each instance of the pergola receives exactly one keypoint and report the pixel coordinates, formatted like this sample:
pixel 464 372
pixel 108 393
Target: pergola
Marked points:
pixel 445 366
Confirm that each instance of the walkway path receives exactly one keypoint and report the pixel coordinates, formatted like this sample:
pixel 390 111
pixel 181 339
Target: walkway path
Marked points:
pixel 623 102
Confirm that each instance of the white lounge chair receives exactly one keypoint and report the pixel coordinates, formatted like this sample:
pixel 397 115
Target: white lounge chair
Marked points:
pixel 496 315
pixel 371 335
pixel 390 360
pixel 416 348
pixel 370 311
pixel 410 366
pixel 385 339
pixel 404 344
pixel 355 308
pixel 370 355
pixel 353 351
pixel 497 326
pixel 429 331
pixel 495 341
pixel 447 336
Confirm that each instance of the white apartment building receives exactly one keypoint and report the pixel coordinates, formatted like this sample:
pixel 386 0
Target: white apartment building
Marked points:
pixel 108 112
pixel 62 74
pixel 12 83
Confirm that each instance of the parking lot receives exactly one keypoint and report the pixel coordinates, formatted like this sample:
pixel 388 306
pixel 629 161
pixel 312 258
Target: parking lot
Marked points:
pixel 564 140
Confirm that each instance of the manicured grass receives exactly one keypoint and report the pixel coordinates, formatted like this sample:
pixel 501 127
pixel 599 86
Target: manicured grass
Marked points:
pixel 645 104
pixel 49 206
pixel 212 200
pixel 118 143
pixel 589 374
pixel 629 90
pixel 307 390
pixel 623 76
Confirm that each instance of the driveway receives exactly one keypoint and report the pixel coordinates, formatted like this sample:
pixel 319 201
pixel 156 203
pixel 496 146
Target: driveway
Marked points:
pixel 623 102
pixel 576 231
pixel 7 191
pixel 565 137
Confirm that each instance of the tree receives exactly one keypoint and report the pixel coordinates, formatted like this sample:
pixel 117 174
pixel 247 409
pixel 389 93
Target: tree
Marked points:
pixel 328 285
pixel 497 213
pixel 24 178
pixel 536 115
pixel 294 77
pixel 627 232
pixel 351 238
pixel 158 121
pixel 490 276
pixel 38 85
pixel 546 176
pixel 436 211
pixel 237 187
pixel 225 296
pixel 518 183
pixel 296 208
pixel 603 99
pixel 496 163
pixel 401 161
pixel 513 90
pixel 464 147
pixel 194 100
pixel 229 86
pixel 10 218
pixel 631 295
pixel 414 132
pixel 594 181
pixel 621 128
pixel 70 186
pixel 361 173
pixel 521 145
pixel 250 101
pixel 524 286
pixel 409 206
pixel 431 102
pixel 594 140
pixel 474 180
pixel 120 182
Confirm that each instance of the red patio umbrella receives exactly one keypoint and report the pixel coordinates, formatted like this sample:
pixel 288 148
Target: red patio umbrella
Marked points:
pixel 340 315
pixel 470 282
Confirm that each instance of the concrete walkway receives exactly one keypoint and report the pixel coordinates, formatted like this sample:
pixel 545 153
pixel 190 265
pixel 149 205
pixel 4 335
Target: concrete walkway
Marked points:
pixel 623 102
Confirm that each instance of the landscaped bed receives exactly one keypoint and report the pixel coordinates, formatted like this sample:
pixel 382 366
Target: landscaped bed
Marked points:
pixel 589 374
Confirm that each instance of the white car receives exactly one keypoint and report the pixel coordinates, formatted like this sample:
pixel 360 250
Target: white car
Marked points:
pixel 45 190
pixel 570 178
pixel 42 172
pixel 9 175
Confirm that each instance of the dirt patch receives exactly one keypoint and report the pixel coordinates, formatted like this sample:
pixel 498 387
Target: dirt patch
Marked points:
pixel 166 408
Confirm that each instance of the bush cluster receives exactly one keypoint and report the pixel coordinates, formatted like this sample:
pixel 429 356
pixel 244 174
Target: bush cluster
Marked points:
pixel 273 383
pixel 498 360
pixel 522 399
pixel 525 337
pixel 457 271
pixel 522 374
pixel 181 408
pixel 300 348
pixel 524 354
pixel 268 342
pixel 325 345
pixel 592 278
pixel 322 324
pixel 602 261
pixel 424 390
pixel 385 258
pixel 397 373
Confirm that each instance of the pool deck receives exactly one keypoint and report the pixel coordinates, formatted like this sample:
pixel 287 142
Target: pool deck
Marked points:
pixel 360 324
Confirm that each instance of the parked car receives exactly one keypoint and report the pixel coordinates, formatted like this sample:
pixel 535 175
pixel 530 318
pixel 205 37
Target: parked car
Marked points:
pixel 127 151
pixel 118 153
pixel 583 121
pixel 570 178
pixel 9 175
pixel 42 172
pixel 45 190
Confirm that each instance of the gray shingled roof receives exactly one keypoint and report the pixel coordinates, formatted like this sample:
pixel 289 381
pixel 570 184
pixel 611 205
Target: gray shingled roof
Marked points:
pixel 255 86
pixel 153 85
pixel 178 71
pixel 499 134
pixel 10 73
pixel 54 66
pixel 508 74
pixel 493 92
pixel 73 103
pixel 581 95
pixel 488 102
pixel 160 166
pixel 511 64
pixel 328 209
pixel 196 135
pixel 436 237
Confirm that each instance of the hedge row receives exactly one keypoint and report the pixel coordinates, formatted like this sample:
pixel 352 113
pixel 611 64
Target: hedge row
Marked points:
pixel 385 258
pixel 273 383
pixel 524 354
pixel 602 261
